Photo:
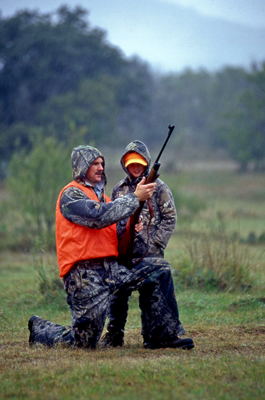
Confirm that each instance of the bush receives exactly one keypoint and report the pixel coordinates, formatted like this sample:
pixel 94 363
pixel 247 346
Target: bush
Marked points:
pixel 34 182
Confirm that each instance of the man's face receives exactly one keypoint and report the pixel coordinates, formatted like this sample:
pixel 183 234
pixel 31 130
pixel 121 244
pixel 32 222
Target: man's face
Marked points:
pixel 94 172
pixel 136 169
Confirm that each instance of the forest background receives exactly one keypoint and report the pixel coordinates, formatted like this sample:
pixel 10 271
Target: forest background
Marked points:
pixel 63 84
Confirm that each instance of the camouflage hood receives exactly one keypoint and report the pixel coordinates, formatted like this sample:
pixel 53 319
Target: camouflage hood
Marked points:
pixel 82 157
pixel 138 147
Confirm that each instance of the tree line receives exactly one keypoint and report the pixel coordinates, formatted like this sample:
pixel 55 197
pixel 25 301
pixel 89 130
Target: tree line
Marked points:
pixel 63 84
pixel 60 78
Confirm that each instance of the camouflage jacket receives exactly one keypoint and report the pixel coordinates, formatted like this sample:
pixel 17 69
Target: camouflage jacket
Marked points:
pixel 163 223
pixel 76 207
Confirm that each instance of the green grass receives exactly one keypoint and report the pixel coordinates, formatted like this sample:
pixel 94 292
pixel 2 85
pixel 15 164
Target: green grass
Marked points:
pixel 227 362
pixel 228 327
pixel 238 198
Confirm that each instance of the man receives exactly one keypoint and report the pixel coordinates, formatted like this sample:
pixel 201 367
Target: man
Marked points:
pixel 158 329
pixel 86 242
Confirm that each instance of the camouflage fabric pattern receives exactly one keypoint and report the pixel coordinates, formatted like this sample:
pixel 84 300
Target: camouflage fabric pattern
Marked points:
pixel 88 291
pixel 163 223
pixel 157 301
pixel 158 322
pixel 137 147
pixel 159 309
pixel 76 207
pixel 81 159
pixel 88 287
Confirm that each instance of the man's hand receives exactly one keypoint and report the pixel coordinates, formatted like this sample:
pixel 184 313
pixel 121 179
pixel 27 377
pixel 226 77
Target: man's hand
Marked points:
pixel 144 192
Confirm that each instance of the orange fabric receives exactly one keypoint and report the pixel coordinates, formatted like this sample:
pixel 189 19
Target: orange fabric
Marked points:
pixel 131 158
pixel 75 242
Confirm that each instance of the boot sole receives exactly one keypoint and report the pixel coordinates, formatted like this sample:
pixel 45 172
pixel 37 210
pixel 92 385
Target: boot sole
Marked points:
pixel 183 346
pixel 187 347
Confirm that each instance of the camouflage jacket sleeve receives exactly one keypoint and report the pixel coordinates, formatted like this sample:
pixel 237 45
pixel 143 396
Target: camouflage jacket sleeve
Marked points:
pixel 78 208
pixel 119 191
pixel 168 214
pixel 162 224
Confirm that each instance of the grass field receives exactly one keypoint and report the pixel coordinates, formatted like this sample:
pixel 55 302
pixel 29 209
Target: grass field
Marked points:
pixel 228 327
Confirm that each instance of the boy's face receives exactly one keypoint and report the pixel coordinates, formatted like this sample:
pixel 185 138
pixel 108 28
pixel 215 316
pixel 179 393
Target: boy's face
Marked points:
pixel 136 170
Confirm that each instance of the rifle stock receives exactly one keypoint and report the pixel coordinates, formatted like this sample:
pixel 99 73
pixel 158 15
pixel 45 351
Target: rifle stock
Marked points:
pixel 125 247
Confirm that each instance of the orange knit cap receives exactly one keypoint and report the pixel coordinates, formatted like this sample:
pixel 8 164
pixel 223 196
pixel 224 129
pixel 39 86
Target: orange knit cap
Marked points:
pixel 133 157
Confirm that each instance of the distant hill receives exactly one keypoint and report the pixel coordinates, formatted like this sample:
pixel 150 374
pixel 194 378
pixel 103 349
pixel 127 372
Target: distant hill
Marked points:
pixel 166 35
pixel 172 37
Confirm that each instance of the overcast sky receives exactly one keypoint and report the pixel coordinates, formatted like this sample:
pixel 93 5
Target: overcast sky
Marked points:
pixel 249 12
pixel 133 25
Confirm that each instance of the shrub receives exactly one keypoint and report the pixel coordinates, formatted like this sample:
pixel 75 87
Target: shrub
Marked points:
pixel 34 183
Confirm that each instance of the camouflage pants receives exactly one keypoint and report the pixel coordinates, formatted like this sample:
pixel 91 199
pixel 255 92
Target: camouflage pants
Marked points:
pixel 88 287
pixel 157 301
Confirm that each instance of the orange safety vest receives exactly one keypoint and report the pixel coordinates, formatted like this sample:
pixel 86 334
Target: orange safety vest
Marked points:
pixel 75 242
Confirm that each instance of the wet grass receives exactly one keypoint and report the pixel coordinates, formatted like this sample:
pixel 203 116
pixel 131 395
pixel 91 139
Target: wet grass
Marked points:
pixel 227 362
pixel 228 327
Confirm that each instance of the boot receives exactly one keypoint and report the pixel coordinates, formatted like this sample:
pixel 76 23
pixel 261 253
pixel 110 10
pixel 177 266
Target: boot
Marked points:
pixel 30 327
pixel 113 339
pixel 175 343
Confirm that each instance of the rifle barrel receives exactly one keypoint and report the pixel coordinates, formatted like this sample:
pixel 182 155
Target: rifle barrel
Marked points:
pixel 171 128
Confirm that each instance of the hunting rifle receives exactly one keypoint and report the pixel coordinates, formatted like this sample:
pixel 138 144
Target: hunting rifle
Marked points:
pixel 125 247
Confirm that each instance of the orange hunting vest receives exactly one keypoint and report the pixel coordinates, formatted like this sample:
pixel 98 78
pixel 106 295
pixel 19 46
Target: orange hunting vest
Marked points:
pixel 75 242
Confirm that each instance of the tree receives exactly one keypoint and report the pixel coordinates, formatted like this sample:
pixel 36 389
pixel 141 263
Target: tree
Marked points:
pixel 135 94
pixel 86 115
pixel 40 59
pixel 243 132
pixel 58 74
pixel 185 100
pixel 35 180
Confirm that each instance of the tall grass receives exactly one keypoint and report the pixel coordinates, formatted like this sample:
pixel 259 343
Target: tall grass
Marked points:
pixel 45 264
pixel 227 361
pixel 225 322
pixel 216 261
